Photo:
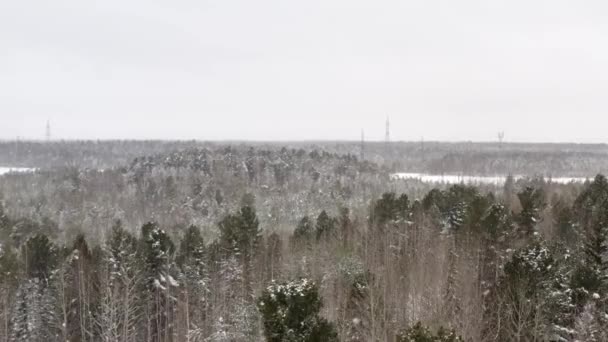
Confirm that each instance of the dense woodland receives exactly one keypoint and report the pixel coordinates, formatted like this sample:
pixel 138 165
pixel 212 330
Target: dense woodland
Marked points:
pixel 204 242
pixel 491 158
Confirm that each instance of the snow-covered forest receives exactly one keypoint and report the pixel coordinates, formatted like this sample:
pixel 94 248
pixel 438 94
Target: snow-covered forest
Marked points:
pixel 190 241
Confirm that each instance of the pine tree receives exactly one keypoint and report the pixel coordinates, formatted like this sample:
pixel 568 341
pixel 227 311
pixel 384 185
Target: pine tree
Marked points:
pixel 452 303
pixel 35 316
pixel 325 227
pixel 532 202
pixel 590 278
pixel 273 257
pixel 563 219
pixel 389 208
pixel 156 249
pixel 192 260
pixel 354 311
pixel 40 257
pixel 80 291
pixel 9 281
pixel 290 313
pixel 241 235
pixel 596 243
pixel 346 228
pixel 531 296
pixel 121 282
pixel 420 333
pixel 304 232
pixel 235 318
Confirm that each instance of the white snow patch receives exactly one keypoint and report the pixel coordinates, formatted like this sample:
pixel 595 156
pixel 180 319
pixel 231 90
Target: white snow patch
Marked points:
pixel 172 281
pixel 458 179
pixel 5 170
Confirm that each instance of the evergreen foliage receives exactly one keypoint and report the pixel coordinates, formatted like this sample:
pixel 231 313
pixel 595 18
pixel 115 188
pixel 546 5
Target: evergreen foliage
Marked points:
pixel 290 313
pixel 325 227
pixel 304 231
pixel 390 208
pixel 420 333
pixel 41 257
pixel 532 202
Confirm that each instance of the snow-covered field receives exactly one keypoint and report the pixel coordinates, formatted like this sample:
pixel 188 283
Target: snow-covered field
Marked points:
pixel 458 179
pixel 4 170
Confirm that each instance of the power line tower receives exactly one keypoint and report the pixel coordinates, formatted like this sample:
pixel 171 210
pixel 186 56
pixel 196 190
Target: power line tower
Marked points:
pixel 501 138
pixel 362 151
pixel 48 130
pixel 387 136
pixel 422 149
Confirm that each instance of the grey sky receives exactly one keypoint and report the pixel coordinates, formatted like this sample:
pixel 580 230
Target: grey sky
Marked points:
pixel 314 69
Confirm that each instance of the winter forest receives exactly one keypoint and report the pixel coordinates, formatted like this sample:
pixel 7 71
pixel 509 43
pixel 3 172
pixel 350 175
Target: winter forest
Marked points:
pixel 190 241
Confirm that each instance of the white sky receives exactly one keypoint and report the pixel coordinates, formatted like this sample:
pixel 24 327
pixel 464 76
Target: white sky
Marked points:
pixel 313 69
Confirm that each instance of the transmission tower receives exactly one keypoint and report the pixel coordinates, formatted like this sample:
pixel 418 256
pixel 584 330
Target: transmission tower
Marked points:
pixel 422 149
pixel 48 130
pixel 387 136
pixel 501 138
pixel 362 151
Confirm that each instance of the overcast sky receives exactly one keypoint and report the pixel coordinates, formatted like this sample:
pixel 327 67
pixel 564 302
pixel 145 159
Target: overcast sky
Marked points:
pixel 299 70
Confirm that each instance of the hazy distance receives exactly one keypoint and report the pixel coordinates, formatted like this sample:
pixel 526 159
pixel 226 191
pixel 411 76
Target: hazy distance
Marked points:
pixel 304 70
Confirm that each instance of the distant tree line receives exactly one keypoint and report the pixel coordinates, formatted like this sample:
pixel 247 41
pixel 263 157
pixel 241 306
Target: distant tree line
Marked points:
pixel 490 158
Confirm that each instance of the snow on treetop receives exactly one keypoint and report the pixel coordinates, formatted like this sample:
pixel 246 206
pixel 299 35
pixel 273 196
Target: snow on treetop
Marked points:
pixel 293 288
